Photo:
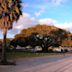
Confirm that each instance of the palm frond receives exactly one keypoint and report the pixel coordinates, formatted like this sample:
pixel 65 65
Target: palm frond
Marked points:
pixel 10 11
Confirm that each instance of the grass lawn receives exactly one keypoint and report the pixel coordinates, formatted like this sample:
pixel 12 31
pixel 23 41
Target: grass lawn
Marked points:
pixel 28 54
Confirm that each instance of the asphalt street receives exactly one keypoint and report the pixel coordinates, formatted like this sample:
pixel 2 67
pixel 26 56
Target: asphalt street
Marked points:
pixel 41 64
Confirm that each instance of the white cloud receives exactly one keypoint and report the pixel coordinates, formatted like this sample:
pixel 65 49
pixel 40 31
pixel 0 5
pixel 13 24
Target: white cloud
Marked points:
pixel 52 22
pixel 66 25
pixel 1 31
pixel 58 2
pixel 25 15
pixel 38 13
pixel 47 21
pixel 25 5
pixel 25 21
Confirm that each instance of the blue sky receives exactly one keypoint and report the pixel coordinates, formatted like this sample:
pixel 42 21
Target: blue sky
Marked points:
pixel 55 9
pixel 49 12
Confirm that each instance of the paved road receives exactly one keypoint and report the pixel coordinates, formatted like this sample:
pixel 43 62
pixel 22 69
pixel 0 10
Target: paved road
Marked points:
pixel 42 64
pixel 40 60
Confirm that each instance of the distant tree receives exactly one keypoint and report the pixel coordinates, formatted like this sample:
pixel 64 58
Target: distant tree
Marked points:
pixel 19 41
pixel 66 43
pixel 59 35
pixel 31 40
pixel 35 39
pixel 53 38
pixel 46 42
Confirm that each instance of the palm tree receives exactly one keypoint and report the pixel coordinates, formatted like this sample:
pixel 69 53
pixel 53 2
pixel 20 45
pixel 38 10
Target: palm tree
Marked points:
pixel 10 11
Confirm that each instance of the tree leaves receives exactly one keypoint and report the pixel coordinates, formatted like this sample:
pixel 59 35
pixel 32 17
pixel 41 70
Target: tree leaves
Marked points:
pixel 56 36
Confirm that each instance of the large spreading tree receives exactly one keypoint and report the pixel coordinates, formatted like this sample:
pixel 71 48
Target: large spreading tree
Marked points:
pixel 10 11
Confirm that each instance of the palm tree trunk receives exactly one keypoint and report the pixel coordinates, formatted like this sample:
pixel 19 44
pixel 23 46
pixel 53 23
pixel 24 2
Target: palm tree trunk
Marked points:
pixel 4 58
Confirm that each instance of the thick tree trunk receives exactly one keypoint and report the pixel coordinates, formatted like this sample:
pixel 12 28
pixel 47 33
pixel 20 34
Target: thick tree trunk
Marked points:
pixel 4 58
pixel 44 49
